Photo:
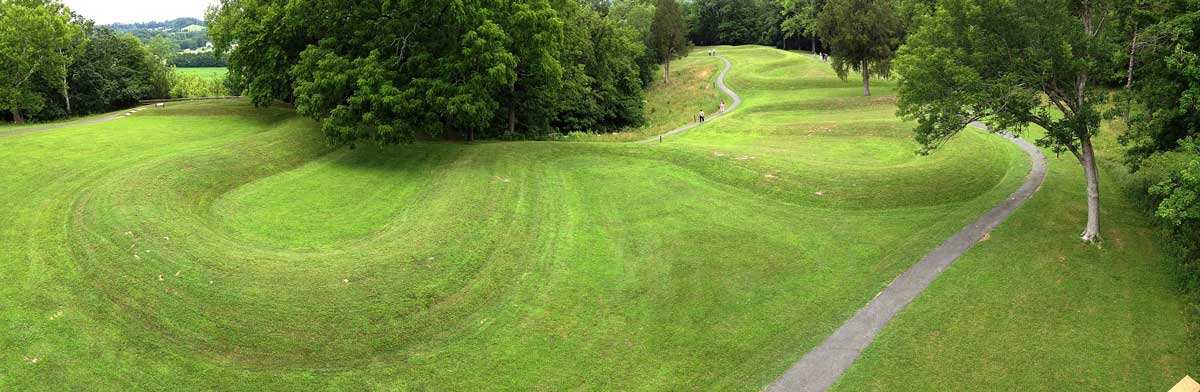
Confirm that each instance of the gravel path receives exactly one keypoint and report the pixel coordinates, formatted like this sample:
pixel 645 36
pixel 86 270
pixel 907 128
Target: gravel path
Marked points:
pixel 820 368
pixel 737 101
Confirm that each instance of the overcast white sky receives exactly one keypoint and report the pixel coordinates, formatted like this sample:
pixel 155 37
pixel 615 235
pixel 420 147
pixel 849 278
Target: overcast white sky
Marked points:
pixel 127 11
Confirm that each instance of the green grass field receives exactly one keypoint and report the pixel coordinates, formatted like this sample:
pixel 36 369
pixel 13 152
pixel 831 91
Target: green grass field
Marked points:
pixel 204 72
pixel 217 246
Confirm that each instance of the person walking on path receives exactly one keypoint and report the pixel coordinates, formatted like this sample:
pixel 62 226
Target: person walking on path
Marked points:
pixel 701 116
pixel 722 109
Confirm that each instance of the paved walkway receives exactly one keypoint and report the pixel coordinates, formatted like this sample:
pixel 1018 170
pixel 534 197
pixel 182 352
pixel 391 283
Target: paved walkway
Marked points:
pixel 820 368
pixel 737 101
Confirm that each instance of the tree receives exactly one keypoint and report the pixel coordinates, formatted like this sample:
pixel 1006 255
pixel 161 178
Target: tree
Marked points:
pixel 114 70
pixel 1011 64
pixel 801 19
pixel 638 14
pixel 862 36
pixel 1164 106
pixel 394 71
pixel 163 48
pixel 668 35
pixel 602 87
pixel 35 44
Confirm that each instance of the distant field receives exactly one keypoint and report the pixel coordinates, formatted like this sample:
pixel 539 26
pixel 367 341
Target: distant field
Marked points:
pixel 204 72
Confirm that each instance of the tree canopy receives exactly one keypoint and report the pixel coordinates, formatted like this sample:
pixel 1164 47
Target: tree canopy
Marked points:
pixel 1166 95
pixel 862 35
pixel 1022 63
pixel 392 72
pixel 668 34
pixel 36 44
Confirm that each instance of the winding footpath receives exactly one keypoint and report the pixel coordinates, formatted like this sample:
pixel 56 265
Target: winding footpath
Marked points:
pixel 736 101
pixel 821 367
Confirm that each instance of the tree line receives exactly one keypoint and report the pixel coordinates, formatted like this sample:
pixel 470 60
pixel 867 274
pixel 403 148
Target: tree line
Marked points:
pixel 57 64
pixel 396 71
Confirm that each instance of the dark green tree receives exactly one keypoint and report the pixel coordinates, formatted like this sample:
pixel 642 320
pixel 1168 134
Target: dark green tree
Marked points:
pixel 1011 64
pixel 1165 95
pixel 668 35
pixel 862 35
pixel 801 19
pixel 394 71
pixel 114 70
pixel 37 43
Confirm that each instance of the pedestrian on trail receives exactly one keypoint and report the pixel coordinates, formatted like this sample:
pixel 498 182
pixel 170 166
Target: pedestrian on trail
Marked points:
pixel 701 116
pixel 722 110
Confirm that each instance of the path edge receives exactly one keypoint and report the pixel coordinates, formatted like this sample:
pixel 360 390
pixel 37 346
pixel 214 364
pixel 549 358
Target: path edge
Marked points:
pixel 823 366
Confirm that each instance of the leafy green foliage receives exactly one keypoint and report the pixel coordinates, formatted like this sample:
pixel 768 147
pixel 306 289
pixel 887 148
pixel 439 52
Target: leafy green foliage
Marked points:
pixel 734 22
pixel 36 43
pixel 191 85
pixel 638 15
pixel 201 59
pixel 1011 64
pixel 1165 104
pixel 405 69
pixel 1181 193
pixel 801 19
pixel 115 70
pixel 1015 55
pixel 862 35
pixel 668 32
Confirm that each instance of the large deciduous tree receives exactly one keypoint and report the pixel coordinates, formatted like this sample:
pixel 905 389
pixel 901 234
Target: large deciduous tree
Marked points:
pixel 390 72
pixel 668 35
pixel 862 35
pixel 36 44
pixel 1011 64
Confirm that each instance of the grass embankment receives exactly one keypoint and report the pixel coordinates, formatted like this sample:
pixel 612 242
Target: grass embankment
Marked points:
pixel 1032 308
pixel 212 245
pixel 670 105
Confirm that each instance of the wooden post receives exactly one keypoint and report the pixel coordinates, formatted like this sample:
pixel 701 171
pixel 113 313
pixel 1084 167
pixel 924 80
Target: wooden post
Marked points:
pixel 1187 384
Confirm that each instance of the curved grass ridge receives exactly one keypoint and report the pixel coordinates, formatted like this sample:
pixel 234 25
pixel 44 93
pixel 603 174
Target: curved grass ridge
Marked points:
pixel 211 245
pixel 820 368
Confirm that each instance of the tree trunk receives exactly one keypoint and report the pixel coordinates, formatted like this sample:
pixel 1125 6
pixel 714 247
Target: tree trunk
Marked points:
pixel 866 68
pixel 17 119
pixel 1132 52
pixel 512 119
pixel 667 71
pixel 66 93
pixel 1091 232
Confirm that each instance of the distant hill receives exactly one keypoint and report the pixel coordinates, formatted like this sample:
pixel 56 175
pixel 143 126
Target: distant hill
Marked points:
pixel 177 24
pixel 189 34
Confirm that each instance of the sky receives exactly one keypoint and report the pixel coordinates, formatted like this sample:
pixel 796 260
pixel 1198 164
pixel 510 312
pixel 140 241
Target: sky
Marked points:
pixel 127 11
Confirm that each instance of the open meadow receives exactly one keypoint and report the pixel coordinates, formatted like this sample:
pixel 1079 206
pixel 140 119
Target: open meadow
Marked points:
pixel 213 245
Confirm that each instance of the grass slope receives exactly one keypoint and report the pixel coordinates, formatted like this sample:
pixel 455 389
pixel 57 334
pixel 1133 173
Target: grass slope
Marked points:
pixel 1034 309
pixel 213 245
pixel 670 105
